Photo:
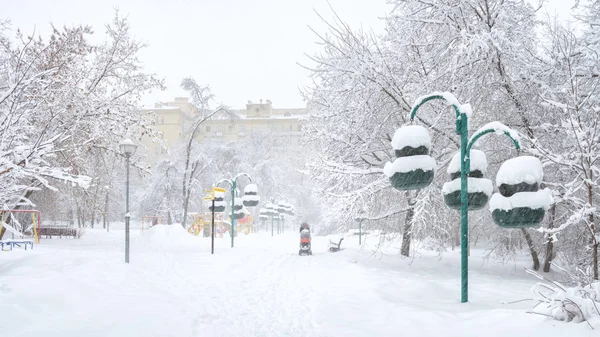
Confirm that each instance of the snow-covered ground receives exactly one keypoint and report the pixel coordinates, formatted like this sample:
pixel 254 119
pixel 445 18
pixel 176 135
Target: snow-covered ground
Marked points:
pixel 174 287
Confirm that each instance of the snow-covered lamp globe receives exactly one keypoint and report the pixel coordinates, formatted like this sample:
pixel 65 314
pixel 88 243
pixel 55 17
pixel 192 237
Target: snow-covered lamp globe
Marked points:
pixel 219 203
pixel 289 210
pixel 281 208
pixel 520 202
pixel 127 147
pixel 271 210
pixel 263 215
pixel 413 168
pixel 238 211
pixel 251 198
pixel 480 189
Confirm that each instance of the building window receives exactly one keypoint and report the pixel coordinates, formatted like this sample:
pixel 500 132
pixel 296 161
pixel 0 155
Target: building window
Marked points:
pixel 290 128
pixel 230 129
pixel 208 128
pixel 287 114
pixel 162 120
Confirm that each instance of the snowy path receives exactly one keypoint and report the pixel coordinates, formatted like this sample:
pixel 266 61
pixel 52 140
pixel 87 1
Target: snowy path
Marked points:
pixel 260 288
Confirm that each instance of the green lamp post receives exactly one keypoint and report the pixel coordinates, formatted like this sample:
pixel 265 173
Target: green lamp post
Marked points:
pixel 415 169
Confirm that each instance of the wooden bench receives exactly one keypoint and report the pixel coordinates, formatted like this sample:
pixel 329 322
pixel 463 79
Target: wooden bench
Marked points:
pixel 16 242
pixel 49 232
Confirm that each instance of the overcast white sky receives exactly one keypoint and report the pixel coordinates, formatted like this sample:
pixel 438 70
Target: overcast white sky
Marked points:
pixel 244 49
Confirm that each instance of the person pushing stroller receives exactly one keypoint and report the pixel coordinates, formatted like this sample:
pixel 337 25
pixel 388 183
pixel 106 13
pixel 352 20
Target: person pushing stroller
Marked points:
pixel 305 240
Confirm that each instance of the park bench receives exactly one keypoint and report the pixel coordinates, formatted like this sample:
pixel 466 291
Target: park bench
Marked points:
pixel 335 246
pixel 16 242
pixel 49 232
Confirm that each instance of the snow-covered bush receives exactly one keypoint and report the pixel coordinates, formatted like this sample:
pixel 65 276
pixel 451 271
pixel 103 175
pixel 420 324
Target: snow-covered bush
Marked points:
pixel 567 303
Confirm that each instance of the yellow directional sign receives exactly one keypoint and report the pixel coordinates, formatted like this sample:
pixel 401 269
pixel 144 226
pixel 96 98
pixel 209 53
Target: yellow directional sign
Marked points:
pixel 211 193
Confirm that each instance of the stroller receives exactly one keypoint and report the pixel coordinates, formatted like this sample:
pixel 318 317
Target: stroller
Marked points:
pixel 305 242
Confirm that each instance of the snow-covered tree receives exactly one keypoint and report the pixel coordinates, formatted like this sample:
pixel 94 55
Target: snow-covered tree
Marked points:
pixel 62 101
pixel 364 86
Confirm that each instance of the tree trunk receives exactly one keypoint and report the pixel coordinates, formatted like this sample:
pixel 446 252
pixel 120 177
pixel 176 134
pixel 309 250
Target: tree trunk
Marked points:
pixel 550 243
pixel 534 254
pixel 594 232
pixel 105 220
pixel 407 233
pixel 186 202
pixel 78 214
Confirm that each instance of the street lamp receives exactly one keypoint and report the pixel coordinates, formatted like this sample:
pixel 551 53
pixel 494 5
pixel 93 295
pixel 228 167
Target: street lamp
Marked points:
pixel 251 199
pixel 281 208
pixel 414 169
pixel 236 210
pixel 263 217
pixel 284 208
pixel 271 211
pixel 127 148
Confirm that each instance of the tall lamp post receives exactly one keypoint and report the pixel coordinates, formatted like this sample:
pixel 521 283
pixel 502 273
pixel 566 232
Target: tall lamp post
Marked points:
pixel 233 184
pixel 127 148
pixel 414 169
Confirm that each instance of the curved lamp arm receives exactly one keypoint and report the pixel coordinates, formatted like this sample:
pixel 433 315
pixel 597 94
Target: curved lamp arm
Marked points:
pixel 278 197
pixel 446 96
pixel 497 128
pixel 242 174
pixel 224 181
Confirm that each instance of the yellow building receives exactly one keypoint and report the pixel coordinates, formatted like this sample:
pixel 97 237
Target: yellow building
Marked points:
pixel 175 119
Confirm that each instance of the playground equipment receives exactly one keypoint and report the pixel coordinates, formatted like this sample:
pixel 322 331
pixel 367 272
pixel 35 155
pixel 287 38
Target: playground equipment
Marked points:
pixel 151 220
pixel 245 224
pixel 18 230
pixel 202 225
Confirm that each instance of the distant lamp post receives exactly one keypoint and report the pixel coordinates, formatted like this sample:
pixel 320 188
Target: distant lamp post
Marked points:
pixel 270 210
pixel 263 217
pixel 236 209
pixel 127 148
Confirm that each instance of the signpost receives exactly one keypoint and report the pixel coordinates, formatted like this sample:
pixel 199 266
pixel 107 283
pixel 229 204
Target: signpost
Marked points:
pixel 211 197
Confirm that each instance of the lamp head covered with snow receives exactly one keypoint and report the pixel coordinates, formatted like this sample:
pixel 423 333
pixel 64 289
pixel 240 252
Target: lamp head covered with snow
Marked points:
pixel 127 147
pixel 480 189
pixel 413 168
pixel 251 198
pixel 520 202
